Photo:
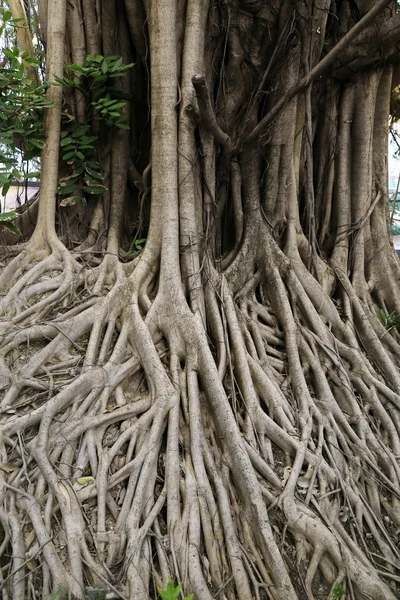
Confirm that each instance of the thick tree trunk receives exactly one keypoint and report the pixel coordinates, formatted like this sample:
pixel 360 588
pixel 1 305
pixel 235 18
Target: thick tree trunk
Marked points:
pixel 224 408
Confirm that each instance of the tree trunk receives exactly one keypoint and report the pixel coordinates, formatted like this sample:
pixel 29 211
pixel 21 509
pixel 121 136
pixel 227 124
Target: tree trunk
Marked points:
pixel 222 408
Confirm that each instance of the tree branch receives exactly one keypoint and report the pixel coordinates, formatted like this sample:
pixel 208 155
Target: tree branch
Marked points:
pixel 368 48
pixel 207 115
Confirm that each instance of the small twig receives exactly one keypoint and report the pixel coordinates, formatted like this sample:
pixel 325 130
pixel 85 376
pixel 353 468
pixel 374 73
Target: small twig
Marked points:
pixel 329 494
pixel 18 491
pixel 223 586
pixel 64 334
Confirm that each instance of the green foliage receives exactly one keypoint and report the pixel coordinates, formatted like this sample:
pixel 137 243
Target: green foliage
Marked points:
pixel 79 148
pixel 109 111
pixel 338 592
pixel 389 320
pixel 78 153
pixel 137 246
pixel 6 221
pixel 56 594
pixel 94 79
pixel 22 103
pixel 172 592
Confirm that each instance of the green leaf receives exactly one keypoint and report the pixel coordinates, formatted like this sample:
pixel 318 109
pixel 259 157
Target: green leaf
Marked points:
pixel 121 125
pixel 5 188
pixel 11 227
pixel 95 174
pixel 56 594
pixel 95 189
pixel 98 58
pixel 118 105
pixel 118 93
pixel 116 65
pixel 80 155
pixel 68 155
pixel 65 141
pixel 67 187
pixel 69 178
pixel 105 102
pixel 171 592
pixel 104 66
pixel 8 53
pixel 112 58
pixel 93 164
pixel 80 130
pixel 74 68
pixel 58 80
pixel 70 201
pixel 88 139
pixel 8 216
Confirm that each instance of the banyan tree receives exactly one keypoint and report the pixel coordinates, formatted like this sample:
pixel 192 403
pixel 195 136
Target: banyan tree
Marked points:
pixel 199 365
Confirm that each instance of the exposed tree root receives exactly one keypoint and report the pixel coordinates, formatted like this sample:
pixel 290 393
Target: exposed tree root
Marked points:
pixel 183 459
pixel 223 409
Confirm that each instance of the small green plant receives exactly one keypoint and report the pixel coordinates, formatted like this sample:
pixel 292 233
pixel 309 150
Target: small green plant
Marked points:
pixel 55 594
pixel 338 592
pixel 171 592
pixel 389 320
pixel 137 246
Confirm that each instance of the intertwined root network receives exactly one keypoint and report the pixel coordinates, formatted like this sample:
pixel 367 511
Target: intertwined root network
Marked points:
pixel 223 409
pixel 254 457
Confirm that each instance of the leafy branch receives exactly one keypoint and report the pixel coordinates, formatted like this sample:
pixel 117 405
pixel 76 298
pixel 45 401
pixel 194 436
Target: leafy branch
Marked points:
pixel 79 149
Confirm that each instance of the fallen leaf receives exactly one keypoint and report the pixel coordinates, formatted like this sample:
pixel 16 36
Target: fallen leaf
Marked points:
pixel 10 467
pixel 85 480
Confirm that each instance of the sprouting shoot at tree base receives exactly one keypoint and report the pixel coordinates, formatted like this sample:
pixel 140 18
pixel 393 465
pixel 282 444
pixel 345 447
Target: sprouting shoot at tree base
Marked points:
pixel 199 334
